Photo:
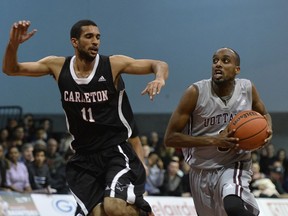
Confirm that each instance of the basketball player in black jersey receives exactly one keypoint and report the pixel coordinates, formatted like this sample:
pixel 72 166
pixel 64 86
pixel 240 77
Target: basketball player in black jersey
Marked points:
pixel 105 175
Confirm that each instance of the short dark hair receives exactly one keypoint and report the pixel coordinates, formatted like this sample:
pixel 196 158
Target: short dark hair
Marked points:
pixel 237 56
pixel 76 29
pixel 39 147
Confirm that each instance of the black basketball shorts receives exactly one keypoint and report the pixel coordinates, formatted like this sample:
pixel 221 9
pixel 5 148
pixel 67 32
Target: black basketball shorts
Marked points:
pixel 114 172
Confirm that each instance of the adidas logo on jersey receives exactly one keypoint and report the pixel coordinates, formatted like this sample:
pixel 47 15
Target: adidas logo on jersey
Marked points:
pixel 101 79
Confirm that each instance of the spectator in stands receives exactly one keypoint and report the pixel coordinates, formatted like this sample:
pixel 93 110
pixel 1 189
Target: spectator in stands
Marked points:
pixel 46 124
pixel 172 185
pixel 257 174
pixel 276 175
pixel 4 166
pixel 176 158
pixel 4 138
pixel 155 142
pixel 28 124
pixel 264 188
pixel 255 156
pixel 146 147
pixel 39 173
pixel 146 151
pixel 17 138
pixel 281 156
pixel 266 158
pixel 27 153
pixel 40 135
pixel 17 177
pixel 54 159
pixel 155 177
pixel 144 140
pixel 261 185
pixel 12 123
pixel 166 155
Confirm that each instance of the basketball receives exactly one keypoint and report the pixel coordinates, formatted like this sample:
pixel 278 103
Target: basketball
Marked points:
pixel 251 129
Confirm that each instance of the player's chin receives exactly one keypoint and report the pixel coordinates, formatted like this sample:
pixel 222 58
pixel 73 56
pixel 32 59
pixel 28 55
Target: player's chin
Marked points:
pixel 93 53
pixel 91 57
pixel 217 80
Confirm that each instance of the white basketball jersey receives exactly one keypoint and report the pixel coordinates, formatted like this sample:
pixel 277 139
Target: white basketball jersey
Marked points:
pixel 211 115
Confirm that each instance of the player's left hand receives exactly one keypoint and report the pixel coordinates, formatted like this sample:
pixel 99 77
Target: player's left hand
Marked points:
pixel 153 88
pixel 229 135
pixel 269 138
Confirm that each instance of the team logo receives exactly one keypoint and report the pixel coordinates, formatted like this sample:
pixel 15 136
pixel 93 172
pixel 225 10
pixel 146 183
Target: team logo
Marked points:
pixel 121 187
pixel 101 79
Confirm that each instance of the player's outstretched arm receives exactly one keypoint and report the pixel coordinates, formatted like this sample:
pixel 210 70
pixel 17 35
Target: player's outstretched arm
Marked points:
pixel 18 34
pixel 128 65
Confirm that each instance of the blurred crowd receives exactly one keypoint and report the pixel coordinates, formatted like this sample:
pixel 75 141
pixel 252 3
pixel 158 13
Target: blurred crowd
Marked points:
pixel 33 159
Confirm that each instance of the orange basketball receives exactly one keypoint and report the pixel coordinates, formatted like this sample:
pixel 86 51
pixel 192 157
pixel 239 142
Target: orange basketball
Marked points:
pixel 251 129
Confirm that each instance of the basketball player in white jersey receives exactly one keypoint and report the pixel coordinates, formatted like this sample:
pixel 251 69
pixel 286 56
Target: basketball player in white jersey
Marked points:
pixel 105 175
pixel 220 172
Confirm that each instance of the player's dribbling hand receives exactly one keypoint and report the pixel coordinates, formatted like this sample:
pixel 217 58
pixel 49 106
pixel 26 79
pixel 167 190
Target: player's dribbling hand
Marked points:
pixel 153 88
pixel 19 32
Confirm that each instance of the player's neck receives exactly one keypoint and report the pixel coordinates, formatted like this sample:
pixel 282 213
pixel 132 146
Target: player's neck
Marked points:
pixel 223 90
pixel 83 68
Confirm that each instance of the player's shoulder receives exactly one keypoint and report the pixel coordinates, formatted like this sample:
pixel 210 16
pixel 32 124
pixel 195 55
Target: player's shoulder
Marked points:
pixel 53 60
pixel 205 83
pixel 120 59
pixel 244 82
pixel 54 63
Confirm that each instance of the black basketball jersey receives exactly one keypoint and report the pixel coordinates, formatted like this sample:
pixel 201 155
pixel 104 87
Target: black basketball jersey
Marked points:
pixel 98 115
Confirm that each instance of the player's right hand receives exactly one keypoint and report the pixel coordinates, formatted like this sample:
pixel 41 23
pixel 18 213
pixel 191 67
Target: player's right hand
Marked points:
pixel 19 32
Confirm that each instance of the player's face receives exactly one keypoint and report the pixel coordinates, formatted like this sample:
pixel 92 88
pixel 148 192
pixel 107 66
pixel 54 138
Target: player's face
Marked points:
pixel 224 66
pixel 88 44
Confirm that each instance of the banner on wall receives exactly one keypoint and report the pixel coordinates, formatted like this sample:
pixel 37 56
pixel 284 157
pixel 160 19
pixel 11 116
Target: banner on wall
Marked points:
pixel 181 206
pixel 15 204
pixel 172 206
pixel 55 205
pixel 273 207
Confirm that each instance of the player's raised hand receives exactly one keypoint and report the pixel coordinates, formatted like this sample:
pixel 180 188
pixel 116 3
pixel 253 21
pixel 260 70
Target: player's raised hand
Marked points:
pixel 153 88
pixel 19 32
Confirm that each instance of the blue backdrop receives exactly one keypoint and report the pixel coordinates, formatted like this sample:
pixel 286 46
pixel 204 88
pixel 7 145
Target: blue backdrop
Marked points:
pixel 185 33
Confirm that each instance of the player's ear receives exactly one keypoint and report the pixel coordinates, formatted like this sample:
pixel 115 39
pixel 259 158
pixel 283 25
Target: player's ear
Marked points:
pixel 74 42
pixel 237 69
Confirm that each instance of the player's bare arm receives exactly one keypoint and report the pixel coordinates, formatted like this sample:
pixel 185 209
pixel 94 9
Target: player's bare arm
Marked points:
pixel 173 135
pixel 50 65
pixel 19 34
pixel 180 117
pixel 258 106
pixel 137 146
pixel 124 64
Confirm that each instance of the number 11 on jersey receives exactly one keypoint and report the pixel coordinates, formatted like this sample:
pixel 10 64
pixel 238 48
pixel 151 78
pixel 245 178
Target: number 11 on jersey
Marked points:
pixel 87 113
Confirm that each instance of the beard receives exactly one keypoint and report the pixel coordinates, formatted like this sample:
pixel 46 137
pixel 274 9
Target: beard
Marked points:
pixel 86 56
pixel 218 81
